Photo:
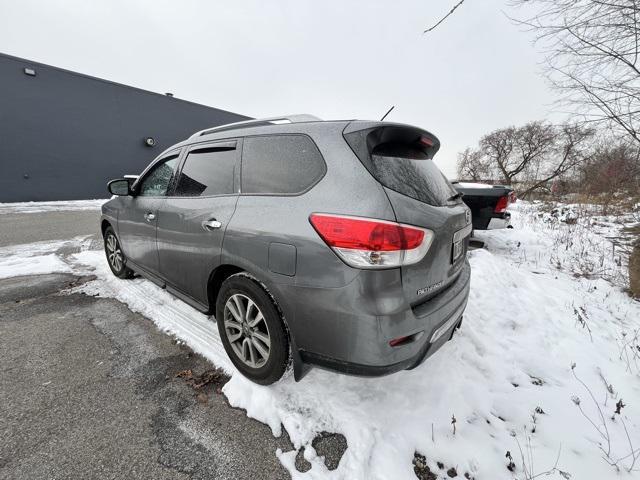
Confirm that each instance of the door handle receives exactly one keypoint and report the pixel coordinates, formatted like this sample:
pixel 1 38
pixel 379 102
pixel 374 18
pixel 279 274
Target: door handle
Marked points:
pixel 149 216
pixel 212 224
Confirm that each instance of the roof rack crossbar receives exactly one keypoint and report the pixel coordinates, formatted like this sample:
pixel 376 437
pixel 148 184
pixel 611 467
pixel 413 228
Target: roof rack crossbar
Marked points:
pixel 258 121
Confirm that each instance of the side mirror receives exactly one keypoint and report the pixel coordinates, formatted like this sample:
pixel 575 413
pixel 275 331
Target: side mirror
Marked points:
pixel 120 187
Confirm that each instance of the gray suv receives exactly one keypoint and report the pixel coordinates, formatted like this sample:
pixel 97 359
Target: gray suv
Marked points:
pixel 330 243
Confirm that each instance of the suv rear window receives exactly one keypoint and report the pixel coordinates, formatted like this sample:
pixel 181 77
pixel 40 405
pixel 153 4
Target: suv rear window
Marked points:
pixel 280 164
pixel 400 158
pixel 409 171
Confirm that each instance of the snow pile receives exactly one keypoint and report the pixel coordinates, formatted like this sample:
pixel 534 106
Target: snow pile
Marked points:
pixel 39 265
pixel 506 377
pixel 39 207
pixel 38 258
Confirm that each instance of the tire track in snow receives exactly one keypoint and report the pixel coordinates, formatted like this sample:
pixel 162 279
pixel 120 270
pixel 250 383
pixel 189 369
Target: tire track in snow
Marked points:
pixel 170 314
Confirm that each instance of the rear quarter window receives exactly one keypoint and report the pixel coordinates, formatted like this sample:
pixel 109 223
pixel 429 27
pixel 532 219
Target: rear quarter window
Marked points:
pixel 280 164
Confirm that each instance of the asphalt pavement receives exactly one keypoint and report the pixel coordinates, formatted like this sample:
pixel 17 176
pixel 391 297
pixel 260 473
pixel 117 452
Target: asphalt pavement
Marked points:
pixel 18 228
pixel 89 389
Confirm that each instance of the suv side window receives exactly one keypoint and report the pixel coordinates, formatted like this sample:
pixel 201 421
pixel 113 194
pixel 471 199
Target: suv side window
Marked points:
pixel 280 164
pixel 157 181
pixel 207 171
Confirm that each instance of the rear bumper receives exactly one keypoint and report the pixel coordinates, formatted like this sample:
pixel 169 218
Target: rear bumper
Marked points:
pixel 348 330
pixel 350 368
pixel 504 221
pixel 491 220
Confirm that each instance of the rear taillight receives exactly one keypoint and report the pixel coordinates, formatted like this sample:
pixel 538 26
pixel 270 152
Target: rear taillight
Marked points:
pixel 501 206
pixel 369 243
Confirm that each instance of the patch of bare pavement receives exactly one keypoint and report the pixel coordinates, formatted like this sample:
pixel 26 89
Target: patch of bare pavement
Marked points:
pixel 21 228
pixel 89 389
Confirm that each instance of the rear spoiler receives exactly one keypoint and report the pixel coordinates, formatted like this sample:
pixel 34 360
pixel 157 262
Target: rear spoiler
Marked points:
pixel 364 136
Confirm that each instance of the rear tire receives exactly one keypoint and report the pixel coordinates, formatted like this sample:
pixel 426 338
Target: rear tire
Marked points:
pixel 252 330
pixel 115 257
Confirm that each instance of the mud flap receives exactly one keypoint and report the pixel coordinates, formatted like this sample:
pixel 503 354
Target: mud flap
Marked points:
pixel 456 328
pixel 300 369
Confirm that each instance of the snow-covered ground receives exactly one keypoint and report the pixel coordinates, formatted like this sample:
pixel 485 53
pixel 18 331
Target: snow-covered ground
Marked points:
pixel 39 207
pixel 585 241
pixel 39 258
pixel 544 355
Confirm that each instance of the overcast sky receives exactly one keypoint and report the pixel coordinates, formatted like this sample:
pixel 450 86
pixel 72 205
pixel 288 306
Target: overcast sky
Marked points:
pixel 334 58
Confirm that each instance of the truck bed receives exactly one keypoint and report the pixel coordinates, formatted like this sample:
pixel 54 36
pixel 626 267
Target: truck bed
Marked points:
pixel 483 200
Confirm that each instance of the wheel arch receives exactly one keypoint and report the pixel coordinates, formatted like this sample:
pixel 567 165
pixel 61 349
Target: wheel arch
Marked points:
pixel 216 278
pixel 104 225
pixel 220 274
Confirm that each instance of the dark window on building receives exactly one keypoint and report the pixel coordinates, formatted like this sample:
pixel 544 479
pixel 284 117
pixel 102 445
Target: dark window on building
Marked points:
pixel 207 172
pixel 157 181
pixel 280 164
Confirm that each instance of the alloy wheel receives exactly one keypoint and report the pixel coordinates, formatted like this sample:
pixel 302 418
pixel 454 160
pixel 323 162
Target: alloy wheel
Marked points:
pixel 114 254
pixel 246 330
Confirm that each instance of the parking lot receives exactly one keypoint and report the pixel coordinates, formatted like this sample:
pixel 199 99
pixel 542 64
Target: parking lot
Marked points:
pixel 89 389
pixel 111 378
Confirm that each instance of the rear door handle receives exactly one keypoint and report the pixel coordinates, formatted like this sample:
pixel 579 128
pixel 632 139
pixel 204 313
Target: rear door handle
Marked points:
pixel 149 216
pixel 212 224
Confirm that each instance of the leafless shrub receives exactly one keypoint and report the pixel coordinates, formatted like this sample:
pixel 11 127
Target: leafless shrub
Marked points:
pixel 610 392
pixel 534 418
pixel 613 168
pixel 576 246
pixel 585 255
pixel 599 424
pixel 581 319
pixel 629 345
pixel 527 460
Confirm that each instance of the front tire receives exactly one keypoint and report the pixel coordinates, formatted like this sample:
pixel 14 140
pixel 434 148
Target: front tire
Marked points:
pixel 252 330
pixel 115 256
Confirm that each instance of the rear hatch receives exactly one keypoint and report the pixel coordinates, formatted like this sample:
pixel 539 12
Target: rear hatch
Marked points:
pixel 400 157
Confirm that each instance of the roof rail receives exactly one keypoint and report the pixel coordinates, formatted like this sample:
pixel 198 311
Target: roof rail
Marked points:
pixel 259 122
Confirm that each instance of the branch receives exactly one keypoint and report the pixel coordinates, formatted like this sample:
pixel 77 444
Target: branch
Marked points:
pixel 444 18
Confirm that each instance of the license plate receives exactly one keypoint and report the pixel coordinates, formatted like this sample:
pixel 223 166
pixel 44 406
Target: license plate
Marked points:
pixel 458 242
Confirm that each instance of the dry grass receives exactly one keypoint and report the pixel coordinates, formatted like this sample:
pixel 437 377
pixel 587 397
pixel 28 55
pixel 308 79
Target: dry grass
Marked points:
pixel 610 253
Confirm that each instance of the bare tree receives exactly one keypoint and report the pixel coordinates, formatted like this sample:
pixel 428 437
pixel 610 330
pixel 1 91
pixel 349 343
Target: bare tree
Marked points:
pixel 531 156
pixel 592 49
pixel 569 149
pixel 496 148
pixel 472 166
pixel 518 151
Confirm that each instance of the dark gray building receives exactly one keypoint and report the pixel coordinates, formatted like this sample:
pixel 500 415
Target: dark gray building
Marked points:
pixel 63 135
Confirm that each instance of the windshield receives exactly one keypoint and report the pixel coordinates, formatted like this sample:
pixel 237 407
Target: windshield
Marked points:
pixel 407 170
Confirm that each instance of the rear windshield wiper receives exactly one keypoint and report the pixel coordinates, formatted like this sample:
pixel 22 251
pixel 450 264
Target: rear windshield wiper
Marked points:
pixel 454 197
